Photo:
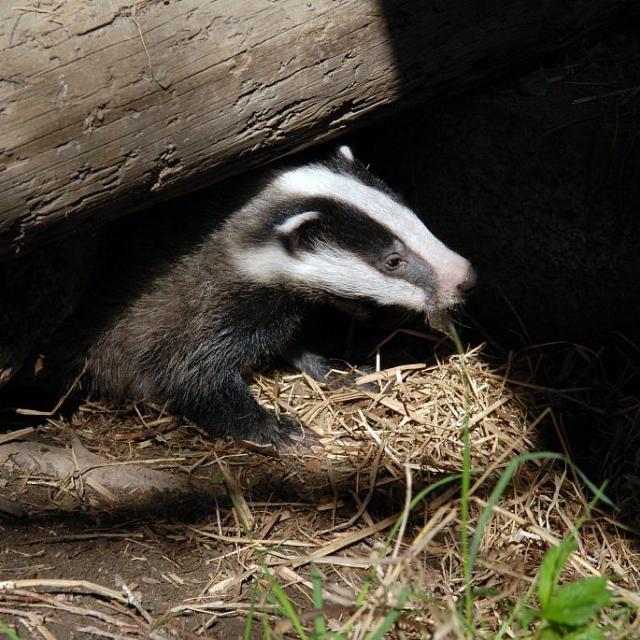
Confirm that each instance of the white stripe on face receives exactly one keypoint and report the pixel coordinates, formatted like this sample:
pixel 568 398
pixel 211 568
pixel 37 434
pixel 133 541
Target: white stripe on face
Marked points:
pixel 319 181
pixel 331 270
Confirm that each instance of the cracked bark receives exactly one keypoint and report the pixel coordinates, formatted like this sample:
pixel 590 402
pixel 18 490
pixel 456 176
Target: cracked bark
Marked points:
pixel 108 107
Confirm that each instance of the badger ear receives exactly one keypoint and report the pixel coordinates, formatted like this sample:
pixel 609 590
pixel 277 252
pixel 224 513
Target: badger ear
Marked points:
pixel 345 152
pixel 289 231
pixel 292 224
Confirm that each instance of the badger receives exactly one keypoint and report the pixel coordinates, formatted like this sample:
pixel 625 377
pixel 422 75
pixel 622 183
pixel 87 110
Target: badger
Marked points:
pixel 326 232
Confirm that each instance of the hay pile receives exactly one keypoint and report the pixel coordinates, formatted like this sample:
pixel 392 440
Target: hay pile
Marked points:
pixel 415 415
pixel 334 505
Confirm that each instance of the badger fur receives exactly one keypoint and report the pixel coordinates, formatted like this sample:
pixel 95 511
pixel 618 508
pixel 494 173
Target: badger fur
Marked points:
pixel 327 232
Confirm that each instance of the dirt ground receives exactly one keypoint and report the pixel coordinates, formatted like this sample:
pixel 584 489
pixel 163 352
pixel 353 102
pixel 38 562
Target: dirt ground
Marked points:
pixel 191 564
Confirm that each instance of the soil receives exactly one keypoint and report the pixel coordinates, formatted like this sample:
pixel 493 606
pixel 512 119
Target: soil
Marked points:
pixel 194 569
pixel 161 552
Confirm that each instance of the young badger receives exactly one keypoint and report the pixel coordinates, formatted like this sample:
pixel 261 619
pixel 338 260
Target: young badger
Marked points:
pixel 322 233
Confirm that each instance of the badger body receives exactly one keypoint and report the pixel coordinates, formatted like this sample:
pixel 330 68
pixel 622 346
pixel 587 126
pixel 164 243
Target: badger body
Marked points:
pixel 323 233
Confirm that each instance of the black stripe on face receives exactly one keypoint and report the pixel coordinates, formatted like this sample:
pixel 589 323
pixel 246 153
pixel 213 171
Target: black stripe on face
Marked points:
pixel 337 225
pixel 346 227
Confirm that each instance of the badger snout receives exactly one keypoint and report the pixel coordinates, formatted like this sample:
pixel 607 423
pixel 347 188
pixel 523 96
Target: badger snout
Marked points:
pixel 456 280
pixel 469 282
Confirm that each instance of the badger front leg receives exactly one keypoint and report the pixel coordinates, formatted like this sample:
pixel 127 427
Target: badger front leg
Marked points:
pixel 228 408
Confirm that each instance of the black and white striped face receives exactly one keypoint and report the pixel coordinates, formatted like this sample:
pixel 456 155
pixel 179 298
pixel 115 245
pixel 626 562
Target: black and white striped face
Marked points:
pixel 334 229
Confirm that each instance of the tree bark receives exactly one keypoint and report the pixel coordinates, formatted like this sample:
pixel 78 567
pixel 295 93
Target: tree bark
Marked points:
pixel 107 107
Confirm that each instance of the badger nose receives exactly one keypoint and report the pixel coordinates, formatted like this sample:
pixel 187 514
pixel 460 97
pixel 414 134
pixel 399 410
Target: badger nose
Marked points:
pixel 469 282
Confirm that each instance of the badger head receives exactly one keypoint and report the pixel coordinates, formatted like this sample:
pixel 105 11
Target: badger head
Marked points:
pixel 332 230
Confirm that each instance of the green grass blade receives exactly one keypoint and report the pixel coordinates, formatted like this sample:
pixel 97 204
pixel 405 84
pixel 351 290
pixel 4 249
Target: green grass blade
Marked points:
pixel 390 619
pixel 415 501
pixel 599 495
pixel 266 630
pixel 248 623
pixel 496 494
pixel 289 610
pixel 10 633
pixel 515 612
pixel 319 623
pixel 467 566
pixel 464 517
pixel 385 625
pixel 504 480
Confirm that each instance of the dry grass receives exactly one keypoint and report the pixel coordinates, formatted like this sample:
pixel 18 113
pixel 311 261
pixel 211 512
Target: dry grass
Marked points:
pixel 280 518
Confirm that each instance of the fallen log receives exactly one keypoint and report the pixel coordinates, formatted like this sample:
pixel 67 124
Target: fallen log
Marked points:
pixel 108 107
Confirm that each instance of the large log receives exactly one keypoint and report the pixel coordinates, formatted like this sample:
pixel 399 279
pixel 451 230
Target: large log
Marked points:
pixel 106 107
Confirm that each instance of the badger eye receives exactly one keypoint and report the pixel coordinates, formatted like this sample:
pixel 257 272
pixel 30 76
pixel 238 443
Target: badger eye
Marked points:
pixel 392 262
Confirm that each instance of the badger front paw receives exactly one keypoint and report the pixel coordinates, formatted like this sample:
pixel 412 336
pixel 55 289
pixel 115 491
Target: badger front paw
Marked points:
pixel 232 411
pixel 283 433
